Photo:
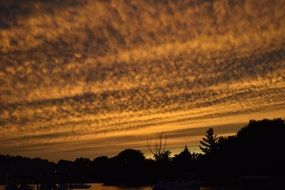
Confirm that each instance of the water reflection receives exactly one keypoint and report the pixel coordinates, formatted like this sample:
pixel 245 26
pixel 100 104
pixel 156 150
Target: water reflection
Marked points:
pixel 97 186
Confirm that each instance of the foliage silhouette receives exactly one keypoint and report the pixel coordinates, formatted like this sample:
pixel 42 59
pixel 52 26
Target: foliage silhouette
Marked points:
pixel 256 150
pixel 209 142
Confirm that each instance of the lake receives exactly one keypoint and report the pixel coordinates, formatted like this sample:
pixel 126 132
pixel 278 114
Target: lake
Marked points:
pixel 98 186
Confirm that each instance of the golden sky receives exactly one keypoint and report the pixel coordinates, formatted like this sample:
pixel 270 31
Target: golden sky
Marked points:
pixel 84 78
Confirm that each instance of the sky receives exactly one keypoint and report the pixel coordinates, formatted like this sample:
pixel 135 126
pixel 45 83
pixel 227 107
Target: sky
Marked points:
pixel 85 78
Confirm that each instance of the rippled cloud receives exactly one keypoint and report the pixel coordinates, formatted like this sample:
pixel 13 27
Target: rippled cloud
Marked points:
pixel 86 78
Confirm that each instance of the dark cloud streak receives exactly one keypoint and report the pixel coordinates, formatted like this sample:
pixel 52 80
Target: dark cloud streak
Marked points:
pixel 77 71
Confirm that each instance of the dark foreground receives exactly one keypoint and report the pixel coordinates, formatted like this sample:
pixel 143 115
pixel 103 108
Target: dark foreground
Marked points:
pixel 254 158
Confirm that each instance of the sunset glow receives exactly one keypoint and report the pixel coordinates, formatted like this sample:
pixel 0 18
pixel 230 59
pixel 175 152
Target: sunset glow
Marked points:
pixel 84 78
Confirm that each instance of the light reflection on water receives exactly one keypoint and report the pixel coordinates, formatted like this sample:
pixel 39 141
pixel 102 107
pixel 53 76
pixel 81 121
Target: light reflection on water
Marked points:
pixel 99 186
pixel 96 186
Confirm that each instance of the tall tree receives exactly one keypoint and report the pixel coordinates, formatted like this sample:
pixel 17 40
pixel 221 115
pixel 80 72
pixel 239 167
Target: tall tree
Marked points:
pixel 209 142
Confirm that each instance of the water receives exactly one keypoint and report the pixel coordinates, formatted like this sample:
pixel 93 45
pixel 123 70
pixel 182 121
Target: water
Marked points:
pixel 99 186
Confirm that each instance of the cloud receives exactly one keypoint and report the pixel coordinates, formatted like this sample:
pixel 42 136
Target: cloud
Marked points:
pixel 77 71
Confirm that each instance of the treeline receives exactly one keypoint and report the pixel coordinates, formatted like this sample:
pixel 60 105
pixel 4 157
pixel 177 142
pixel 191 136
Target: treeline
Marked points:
pixel 258 149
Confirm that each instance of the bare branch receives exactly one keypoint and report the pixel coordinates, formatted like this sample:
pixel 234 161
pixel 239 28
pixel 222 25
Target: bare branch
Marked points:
pixel 149 147
pixel 158 149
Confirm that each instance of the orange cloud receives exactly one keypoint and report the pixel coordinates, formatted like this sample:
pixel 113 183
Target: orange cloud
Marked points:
pixel 92 71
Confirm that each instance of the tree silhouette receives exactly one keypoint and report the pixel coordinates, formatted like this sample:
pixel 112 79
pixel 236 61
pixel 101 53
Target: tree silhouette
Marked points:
pixel 209 142
pixel 158 149
pixel 182 165
pixel 183 156
pixel 256 150
pixel 128 167
pixel 130 157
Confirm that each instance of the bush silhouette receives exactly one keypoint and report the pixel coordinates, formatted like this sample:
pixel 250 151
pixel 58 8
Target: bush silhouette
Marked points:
pixel 256 150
